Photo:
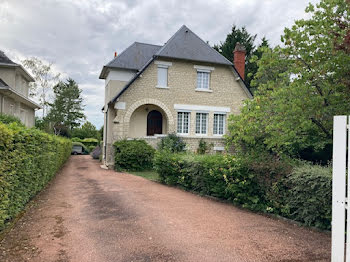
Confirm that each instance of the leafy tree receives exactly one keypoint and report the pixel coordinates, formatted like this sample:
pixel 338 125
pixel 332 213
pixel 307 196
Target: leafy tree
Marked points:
pixel 44 77
pixel 242 36
pixel 301 86
pixel 66 111
pixel 87 130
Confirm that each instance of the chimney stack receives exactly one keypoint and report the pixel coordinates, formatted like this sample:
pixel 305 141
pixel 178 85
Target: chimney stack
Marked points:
pixel 239 59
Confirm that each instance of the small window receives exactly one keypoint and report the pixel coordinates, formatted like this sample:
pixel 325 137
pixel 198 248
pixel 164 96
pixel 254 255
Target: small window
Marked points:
pixel 201 123
pixel 219 124
pixel 162 76
pixel 202 80
pixel 183 122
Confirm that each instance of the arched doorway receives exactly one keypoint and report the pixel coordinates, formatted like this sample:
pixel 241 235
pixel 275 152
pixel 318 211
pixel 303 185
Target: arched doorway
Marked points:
pixel 154 123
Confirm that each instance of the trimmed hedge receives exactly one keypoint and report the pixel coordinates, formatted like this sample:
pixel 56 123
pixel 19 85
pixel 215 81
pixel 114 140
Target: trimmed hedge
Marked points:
pixel 29 158
pixel 302 193
pixel 133 155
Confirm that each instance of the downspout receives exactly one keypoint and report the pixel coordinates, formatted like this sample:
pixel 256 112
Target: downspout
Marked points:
pixel 105 137
pixel 3 104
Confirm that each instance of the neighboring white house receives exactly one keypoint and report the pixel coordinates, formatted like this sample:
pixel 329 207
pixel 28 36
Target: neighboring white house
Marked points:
pixel 14 91
pixel 184 87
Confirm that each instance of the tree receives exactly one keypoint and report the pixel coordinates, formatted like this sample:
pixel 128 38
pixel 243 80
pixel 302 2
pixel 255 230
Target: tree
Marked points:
pixel 300 87
pixel 44 77
pixel 66 111
pixel 242 36
pixel 87 130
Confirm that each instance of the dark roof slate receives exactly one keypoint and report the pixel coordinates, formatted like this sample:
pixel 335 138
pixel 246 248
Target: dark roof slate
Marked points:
pixel 135 56
pixel 5 60
pixel 185 44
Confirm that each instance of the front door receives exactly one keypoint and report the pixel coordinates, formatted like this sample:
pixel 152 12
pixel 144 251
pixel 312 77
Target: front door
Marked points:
pixel 154 123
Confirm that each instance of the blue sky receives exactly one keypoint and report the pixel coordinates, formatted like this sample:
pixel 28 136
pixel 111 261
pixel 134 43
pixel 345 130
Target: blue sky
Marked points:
pixel 79 37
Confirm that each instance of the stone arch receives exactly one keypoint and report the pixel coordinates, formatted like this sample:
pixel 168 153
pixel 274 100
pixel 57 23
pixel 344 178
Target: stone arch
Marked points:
pixel 151 101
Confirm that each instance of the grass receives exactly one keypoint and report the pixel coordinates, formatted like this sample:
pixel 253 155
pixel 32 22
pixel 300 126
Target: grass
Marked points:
pixel 150 174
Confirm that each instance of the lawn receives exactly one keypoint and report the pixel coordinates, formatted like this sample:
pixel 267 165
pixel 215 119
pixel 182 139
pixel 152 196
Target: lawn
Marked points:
pixel 150 174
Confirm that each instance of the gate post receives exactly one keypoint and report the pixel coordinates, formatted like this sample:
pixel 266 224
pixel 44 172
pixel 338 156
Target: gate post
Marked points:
pixel 339 204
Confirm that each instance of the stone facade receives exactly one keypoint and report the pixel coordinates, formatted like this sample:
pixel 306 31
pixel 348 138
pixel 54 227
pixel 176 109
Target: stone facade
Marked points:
pixel 15 101
pixel 143 94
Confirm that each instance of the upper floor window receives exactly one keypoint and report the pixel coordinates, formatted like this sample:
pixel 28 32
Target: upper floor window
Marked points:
pixel 162 76
pixel 162 73
pixel 203 80
pixel 183 120
pixel 203 77
pixel 219 124
pixel 201 123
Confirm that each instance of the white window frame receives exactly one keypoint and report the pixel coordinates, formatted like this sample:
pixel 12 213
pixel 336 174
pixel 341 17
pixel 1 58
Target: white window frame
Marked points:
pixel 203 69
pixel 216 129
pixel 163 65
pixel 200 124
pixel 183 122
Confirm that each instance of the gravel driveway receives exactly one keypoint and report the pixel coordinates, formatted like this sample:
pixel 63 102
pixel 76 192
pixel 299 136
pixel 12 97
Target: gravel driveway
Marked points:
pixel 90 214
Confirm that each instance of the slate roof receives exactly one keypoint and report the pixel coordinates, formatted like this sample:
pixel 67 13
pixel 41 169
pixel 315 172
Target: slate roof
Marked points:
pixel 5 60
pixel 135 56
pixel 185 44
pixel 132 58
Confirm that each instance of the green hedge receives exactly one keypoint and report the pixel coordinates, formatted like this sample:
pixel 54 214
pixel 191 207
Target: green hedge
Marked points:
pixel 134 155
pixel 29 158
pixel 306 195
pixel 216 175
pixel 265 183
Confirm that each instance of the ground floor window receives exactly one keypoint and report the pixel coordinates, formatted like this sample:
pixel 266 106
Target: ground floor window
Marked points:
pixel 201 123
pixel 183 122
pixel 219 124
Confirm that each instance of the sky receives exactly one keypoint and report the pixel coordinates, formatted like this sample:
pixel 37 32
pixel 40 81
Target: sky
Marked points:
pixel 80 36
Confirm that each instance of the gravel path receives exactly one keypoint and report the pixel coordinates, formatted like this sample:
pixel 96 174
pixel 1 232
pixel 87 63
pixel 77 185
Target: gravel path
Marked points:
pixel 89 214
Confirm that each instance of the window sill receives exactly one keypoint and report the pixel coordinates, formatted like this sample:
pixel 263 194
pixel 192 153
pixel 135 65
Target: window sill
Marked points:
pixel 216 135
pixel 163 87
pixel 203 135
pixel 203 90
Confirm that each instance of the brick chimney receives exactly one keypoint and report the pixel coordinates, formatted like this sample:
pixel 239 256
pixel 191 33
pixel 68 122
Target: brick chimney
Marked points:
pixel 239 59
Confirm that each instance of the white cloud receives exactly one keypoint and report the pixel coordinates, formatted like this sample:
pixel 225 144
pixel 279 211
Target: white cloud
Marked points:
pixel 79 37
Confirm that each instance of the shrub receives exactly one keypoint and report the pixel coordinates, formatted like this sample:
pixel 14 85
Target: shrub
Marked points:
pixel 259 181
pixel 29 158
pixel 7 119
pixel 135 155
pixel 216 175
pixel 307 195
pixel 172 143
pixel 203 147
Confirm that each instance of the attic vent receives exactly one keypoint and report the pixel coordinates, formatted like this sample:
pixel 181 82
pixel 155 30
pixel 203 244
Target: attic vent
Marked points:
pixel 186 31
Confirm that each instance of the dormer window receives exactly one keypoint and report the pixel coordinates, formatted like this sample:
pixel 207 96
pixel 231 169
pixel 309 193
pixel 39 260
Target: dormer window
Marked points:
pixel 162 73
pixel 203 78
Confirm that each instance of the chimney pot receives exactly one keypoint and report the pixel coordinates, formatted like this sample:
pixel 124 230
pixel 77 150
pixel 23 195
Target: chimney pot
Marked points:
pixel 239 59
pixel 115 54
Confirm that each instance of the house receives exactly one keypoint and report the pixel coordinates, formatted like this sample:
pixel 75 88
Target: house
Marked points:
pixel 14 91
pixel 183 87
